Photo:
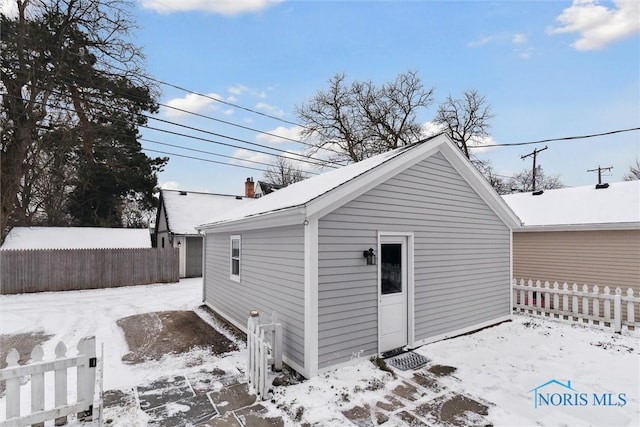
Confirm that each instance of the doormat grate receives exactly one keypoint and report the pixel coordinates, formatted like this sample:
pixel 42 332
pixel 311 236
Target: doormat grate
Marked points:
pixel 408 360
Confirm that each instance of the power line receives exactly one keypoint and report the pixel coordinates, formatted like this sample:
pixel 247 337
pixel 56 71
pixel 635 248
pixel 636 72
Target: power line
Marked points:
pixel 565 138
pixel 203 160
pixel 316 163
pixel 211 153
pixel 175 86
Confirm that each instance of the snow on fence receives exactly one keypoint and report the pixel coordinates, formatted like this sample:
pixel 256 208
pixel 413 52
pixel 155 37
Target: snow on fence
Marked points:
pixel 599 306
pixel 72 269
pixel 85 362
pixel 264 345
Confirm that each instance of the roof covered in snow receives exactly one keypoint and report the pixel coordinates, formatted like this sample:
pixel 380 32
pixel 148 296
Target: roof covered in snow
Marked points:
pixel 187 209
pixel 617 205
pixel 76 238
pixel 299 196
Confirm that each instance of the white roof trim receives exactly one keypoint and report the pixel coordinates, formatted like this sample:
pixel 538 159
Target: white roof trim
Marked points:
pixel 581 227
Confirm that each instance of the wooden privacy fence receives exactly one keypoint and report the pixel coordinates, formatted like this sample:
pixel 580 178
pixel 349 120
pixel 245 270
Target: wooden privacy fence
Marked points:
pixel 73 269
pixel 595 305
pixel 264 345
pixel 85 363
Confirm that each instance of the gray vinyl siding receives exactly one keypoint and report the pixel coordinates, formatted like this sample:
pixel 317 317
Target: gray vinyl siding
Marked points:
pixel 272 279
pixel 462 259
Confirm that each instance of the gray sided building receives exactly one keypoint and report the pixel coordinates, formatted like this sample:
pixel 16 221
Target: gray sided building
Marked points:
pixel 402 249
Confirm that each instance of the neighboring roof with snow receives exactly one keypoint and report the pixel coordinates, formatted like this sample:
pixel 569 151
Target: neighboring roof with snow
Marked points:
pixel 320 191
pixel 186 210
pixel 268 188
pixel 617 206
pixel 76 238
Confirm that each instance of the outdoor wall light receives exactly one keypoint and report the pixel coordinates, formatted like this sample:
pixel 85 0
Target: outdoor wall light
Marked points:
pixel 370 256
pixel 179 243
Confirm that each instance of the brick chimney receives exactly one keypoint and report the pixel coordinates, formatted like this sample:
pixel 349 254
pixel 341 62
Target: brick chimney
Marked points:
pixel 249 188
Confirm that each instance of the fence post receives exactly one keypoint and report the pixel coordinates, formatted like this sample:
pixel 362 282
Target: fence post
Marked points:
pixel 60 378
pixel 607 304
pixel 585 301
pixel 13 386
pixel 565 298
pixel 90 378
pixel 596 303
pixel 556 296
pixel 574 301
pixel 617 311
pixel 37 384
pixel 630 309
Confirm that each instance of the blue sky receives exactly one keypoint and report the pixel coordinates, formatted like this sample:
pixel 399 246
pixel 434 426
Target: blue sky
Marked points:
pixel 549 69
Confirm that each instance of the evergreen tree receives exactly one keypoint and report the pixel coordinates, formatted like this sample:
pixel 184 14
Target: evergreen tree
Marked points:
pixel 75 95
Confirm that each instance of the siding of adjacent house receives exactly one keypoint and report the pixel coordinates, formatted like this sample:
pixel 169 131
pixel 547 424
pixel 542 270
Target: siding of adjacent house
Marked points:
pixel 598 257
pixel 462 259
pixel 272 279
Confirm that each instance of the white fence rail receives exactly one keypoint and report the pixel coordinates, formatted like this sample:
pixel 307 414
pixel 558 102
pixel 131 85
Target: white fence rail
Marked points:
pixel 264 344
pixel 595 305
pixel 85 362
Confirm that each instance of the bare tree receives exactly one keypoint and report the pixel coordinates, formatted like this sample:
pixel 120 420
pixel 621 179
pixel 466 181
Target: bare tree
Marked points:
pixel 359 120
pixel 465 120
pixel 486 169
pixel 282 173
pixel 523 181
pixel 634 172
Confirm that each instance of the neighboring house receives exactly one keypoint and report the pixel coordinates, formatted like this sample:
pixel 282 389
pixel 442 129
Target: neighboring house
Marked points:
pixel 259 188
pixel 583 235
pixel 76 238
pixel 178 214
pixel 439 257
pixel 264 188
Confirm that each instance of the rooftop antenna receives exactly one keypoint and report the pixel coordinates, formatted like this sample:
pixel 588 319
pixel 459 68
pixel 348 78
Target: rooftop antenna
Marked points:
pixel 599 170
pixel 534 153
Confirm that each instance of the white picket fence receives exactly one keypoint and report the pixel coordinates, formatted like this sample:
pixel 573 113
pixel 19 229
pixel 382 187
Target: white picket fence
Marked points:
pixel 264 345
pixel 85 362
pixel 593 305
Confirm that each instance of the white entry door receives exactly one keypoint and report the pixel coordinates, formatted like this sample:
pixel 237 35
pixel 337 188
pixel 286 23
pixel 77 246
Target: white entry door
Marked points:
pixel 392 285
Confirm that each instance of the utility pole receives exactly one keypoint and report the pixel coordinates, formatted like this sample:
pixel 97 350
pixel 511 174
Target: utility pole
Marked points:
pixel 599 170
pixel 534 153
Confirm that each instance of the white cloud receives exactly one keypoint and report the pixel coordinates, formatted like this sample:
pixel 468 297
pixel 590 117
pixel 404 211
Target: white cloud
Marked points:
pixel 170 185
pixel 193 103
pixel 431 128
pixel 598 25
pixel 525 53
pixel 238 89
pixel 222 7
pixel 270 109
pixel 481 41
pixel 519 38
pixel 9 8
pixel 291 133
pixel 479 145
pixel 242 155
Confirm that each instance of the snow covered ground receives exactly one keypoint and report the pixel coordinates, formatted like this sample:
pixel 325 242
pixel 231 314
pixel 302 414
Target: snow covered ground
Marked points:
pixel 502 365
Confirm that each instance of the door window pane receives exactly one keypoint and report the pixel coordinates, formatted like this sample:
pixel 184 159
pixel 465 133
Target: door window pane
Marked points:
pixel 391 268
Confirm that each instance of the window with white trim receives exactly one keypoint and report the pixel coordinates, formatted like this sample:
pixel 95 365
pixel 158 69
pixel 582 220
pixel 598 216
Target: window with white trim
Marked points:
pixel 235 249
